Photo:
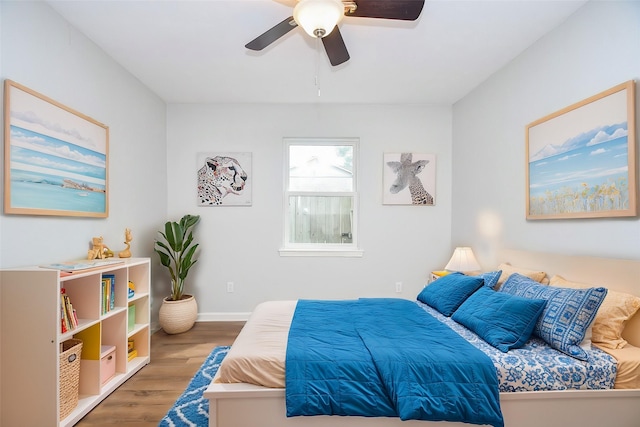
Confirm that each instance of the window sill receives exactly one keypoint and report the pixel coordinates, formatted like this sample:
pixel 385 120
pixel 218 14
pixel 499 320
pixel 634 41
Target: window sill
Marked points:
pixel 342 253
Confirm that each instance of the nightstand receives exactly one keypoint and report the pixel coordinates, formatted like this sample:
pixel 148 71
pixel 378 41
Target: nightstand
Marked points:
pixel 435 275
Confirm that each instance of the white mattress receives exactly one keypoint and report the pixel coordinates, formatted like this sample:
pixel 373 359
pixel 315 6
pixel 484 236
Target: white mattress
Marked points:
pixel 258 357
pixel 258 354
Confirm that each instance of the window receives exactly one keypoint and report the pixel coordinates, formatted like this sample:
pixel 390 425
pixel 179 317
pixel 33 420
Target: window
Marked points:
pixel 320 197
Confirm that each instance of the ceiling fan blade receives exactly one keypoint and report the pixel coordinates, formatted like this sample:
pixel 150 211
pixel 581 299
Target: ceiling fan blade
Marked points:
pixel 335 47
pixel 272 34
pixel 407 10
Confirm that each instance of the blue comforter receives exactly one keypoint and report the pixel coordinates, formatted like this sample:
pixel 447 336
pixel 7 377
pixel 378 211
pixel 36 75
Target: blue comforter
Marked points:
pixel 384 358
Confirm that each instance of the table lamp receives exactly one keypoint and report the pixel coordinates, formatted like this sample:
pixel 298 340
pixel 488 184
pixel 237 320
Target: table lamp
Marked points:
pixel 462 260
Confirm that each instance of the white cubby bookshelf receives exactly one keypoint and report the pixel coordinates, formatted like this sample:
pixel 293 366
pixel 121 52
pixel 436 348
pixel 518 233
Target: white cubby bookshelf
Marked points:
pixel 31 337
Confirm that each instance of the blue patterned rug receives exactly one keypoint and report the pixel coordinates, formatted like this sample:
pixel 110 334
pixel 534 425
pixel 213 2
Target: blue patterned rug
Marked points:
pixel 191 410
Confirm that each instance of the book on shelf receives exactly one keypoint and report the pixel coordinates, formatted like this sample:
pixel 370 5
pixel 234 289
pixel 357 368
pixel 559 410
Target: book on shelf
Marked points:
pixel 131 351
pixel 63 322
pixel 112 293
pixel 108 292
pixel 103 295
pixel 131 318
pixel 68 315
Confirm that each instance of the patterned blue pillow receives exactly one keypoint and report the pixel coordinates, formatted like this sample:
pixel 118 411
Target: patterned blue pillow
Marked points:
pixel 502 320
pixel 491 278
pixel 567 315
pixel 448 292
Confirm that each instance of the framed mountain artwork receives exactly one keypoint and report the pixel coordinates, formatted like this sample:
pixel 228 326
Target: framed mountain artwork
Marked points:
pixel 581 160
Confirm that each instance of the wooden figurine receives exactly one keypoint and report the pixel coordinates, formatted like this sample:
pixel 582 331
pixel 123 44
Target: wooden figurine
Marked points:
pixel 127 241
pixel 99 250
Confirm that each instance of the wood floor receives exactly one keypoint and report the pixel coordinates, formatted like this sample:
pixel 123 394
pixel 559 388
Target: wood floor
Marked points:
pixel 144 399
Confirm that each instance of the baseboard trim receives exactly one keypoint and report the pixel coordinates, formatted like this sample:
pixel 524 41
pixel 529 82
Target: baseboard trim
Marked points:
pixel 223 317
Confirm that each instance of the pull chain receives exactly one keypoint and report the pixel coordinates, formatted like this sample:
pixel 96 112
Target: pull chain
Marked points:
pixel 318 64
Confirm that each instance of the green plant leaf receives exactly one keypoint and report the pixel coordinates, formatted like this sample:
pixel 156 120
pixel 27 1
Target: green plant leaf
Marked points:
pixel 189 221
pixel 164 258
pixel 176 251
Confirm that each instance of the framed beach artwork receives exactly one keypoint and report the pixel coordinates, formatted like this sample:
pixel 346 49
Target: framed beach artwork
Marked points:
pixel 409 179
pixel 55 158
pixel 224 179
pixel 581 161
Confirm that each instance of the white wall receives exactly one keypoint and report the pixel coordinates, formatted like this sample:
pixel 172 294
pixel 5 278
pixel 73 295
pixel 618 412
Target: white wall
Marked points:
pixel 43 52
pixel 597 48
pixel 240 244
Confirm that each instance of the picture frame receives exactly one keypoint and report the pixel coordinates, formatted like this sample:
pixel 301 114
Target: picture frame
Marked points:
pixel 581 160
pixel 224 179
pixel 56 159
pixel 409 179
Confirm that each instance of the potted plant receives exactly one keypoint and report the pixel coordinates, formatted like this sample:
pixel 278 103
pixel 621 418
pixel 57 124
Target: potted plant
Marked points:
pixel 176 249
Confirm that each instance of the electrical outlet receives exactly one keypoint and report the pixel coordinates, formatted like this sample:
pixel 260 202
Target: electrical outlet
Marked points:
pixel 398 287
pixel 229 286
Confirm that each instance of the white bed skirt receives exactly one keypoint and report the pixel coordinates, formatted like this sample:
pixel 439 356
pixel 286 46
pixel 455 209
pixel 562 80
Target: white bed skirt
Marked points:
pixel 248 405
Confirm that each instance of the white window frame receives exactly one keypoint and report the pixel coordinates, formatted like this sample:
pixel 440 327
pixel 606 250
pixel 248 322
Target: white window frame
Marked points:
pixel 321 249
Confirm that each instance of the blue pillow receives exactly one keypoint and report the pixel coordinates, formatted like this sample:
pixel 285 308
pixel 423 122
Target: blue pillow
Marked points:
pixel 491 278
pixel 567 315
pixel 502 320
pixel 448 292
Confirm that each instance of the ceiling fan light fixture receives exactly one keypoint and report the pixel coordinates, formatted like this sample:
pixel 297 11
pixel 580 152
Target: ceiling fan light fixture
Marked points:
pixel 318 17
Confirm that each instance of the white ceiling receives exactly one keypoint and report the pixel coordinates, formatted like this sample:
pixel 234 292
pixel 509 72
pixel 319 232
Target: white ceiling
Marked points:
pixel 193 51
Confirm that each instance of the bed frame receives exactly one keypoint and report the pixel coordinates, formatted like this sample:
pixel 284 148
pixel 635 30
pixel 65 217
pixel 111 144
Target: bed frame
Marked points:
pixel 248 405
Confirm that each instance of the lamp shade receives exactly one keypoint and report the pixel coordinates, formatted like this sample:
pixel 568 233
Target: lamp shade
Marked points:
pixel 462 260
pixel 318 17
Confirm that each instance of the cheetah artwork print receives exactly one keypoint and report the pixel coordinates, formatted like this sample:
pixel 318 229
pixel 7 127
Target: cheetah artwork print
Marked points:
pixel 219 177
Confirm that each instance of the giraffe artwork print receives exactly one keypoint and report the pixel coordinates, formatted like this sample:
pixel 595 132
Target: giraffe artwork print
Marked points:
pixel 409 179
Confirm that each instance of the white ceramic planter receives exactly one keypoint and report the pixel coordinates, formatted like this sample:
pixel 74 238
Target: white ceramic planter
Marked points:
pixel 178 316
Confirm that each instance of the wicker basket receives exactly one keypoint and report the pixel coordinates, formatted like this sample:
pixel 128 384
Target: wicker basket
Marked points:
pixel 69 376
pixel 176 317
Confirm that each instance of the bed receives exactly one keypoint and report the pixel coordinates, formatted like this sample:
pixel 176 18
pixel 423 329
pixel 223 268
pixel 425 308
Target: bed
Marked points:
pixel 247 404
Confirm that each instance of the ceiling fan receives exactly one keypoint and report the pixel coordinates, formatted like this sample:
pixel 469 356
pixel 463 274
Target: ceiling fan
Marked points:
pixel 320 18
